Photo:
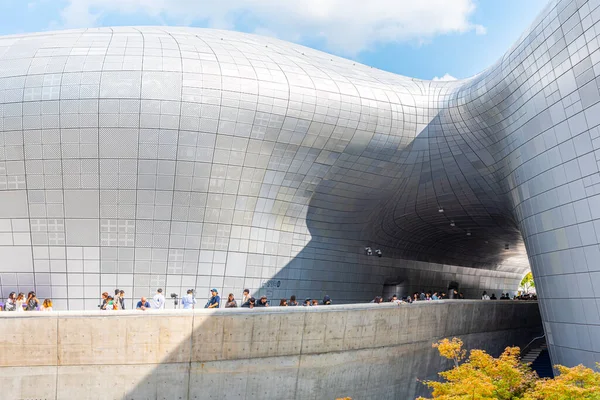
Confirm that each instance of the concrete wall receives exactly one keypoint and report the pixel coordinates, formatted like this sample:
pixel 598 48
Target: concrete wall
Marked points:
pixel 364 351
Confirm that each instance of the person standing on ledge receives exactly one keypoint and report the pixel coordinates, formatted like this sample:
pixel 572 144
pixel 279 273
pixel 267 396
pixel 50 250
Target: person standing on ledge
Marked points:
pixel 122 299
pixel 142 304
pixel 214 300
pixel 246 296
pixel 188 300
pixel 116 302
pixel 158 301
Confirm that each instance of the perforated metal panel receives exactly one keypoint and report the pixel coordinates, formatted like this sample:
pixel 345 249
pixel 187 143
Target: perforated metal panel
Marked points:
pixel 188 158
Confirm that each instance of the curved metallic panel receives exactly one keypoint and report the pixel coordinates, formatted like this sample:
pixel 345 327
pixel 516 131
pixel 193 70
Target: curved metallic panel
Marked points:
pixel 173 157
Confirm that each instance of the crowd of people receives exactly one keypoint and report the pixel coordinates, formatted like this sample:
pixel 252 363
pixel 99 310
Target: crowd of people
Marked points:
pixel 18 302
pixel 189 301
pixel 455 295
pixel 506 296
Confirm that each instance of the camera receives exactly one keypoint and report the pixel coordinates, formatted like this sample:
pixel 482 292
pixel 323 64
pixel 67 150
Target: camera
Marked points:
pixel 175 301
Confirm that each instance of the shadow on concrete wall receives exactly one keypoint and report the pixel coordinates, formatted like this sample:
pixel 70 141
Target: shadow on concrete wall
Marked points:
pixel 327 363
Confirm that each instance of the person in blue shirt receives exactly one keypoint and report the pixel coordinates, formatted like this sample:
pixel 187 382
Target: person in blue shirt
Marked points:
pixel 142 304
pixel 214 300
pixel 189 300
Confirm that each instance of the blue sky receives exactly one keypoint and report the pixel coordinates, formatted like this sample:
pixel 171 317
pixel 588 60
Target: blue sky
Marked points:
pixel 418 38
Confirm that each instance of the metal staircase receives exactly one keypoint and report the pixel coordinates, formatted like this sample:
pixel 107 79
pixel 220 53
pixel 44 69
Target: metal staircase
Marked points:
pixel 538 356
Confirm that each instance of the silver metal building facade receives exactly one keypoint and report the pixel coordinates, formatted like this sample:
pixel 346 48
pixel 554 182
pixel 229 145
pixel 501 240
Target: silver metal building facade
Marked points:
pixel 182 158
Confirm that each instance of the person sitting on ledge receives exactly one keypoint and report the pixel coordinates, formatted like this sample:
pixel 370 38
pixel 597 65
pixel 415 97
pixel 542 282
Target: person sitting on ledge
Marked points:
pixel 11 304
pixel 143 304
pixel 326 300
pixel 493 296
pixel 32 302
pixel 283 303
pixel 20 302
pixel 306 303
pixel 47 306
pixel 250 303
pixel 111 304
pixel 231 303
pixel 315 302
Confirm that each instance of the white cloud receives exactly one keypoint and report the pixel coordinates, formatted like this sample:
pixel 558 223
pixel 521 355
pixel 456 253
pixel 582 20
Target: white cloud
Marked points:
pixel 446 77
pixel 345 26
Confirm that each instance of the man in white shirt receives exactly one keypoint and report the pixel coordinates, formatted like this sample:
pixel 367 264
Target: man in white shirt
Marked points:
pixel 246 296
pixel 158 301
pixel 188 300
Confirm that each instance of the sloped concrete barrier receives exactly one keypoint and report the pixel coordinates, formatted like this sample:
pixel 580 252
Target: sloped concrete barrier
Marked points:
pixel 364 351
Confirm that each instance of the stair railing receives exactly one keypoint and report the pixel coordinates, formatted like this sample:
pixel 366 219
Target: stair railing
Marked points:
pixel 529 344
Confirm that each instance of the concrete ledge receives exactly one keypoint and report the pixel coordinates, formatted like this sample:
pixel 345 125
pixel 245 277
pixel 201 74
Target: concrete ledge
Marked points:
pixel 158 354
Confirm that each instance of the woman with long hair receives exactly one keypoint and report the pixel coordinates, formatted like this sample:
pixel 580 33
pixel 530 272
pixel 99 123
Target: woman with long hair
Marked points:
pixel 10 304
pixel 47 306
pixel 104 301
pixel 20 301
pixel 32 302
pixel 231 303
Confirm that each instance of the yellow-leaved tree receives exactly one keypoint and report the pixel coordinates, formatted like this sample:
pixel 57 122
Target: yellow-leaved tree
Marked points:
pixel 579 383
pixel 481 376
